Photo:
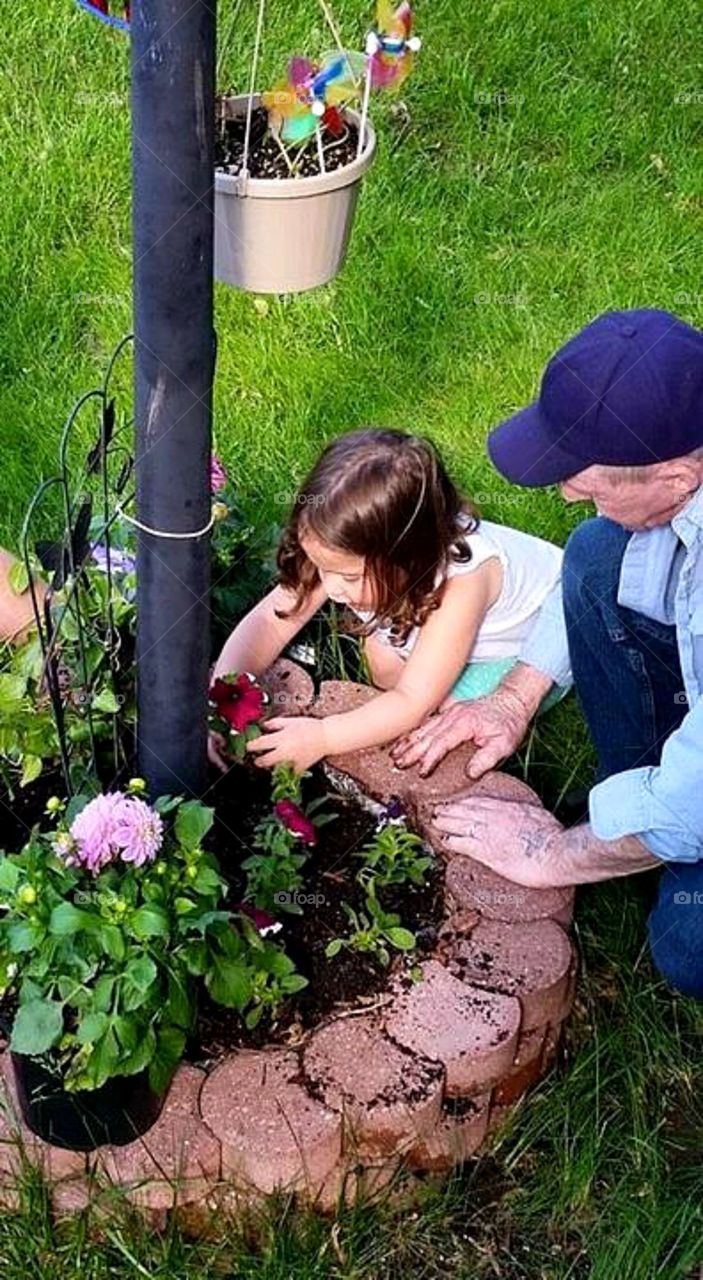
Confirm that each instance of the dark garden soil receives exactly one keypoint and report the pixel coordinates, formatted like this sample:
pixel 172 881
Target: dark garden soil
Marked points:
pixel 267 157
pixel 349 978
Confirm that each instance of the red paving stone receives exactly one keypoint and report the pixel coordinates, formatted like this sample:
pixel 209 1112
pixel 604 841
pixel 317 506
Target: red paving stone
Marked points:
pixel 273 1133
pixel 531 961
pixel 470 886
pixel 389 1096
pixel 291 690
pixel 473 1033
pixel 457 1137
pixel 177 1160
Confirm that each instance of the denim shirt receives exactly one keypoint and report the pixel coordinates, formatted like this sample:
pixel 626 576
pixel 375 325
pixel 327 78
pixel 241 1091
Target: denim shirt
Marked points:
pixel 661 577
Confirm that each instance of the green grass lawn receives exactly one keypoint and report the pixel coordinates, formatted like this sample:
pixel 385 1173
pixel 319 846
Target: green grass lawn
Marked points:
pixel 546 165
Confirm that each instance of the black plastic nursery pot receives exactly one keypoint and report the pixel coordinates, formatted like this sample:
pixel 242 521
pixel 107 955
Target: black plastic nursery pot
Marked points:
pixel 121 1110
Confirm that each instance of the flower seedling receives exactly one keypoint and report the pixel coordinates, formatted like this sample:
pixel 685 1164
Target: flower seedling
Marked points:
pixel 373 933
pixel 395 855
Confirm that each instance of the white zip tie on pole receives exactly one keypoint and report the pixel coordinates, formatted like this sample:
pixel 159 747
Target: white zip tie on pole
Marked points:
pixel 163 533
pixel 373 44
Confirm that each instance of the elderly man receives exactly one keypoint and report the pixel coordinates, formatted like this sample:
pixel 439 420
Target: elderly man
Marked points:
pixel 618 422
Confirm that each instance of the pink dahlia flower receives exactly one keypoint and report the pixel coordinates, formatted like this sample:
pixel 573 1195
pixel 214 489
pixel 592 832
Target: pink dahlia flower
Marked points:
pixel 139 831
pixel 113 826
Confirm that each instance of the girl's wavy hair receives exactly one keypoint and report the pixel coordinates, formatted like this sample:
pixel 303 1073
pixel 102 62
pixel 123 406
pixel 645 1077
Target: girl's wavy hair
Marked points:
pixel 385 496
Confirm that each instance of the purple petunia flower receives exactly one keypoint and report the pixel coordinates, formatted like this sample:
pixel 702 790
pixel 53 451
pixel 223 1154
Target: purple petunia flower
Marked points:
pixel 120 561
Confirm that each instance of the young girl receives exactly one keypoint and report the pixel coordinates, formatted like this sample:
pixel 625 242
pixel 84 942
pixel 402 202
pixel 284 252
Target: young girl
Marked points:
pixel 444 601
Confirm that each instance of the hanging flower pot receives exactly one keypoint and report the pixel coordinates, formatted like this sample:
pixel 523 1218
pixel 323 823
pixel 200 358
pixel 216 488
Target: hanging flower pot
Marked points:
pixel 284 234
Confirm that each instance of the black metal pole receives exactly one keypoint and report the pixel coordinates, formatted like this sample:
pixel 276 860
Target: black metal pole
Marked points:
pixel 173 96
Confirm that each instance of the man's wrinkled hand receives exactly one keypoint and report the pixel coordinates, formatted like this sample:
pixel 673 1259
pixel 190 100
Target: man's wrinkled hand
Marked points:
pixel 496 725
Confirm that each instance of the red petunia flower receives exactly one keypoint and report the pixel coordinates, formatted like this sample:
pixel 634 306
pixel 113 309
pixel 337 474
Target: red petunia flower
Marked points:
pixel 295 821
pixel 239 701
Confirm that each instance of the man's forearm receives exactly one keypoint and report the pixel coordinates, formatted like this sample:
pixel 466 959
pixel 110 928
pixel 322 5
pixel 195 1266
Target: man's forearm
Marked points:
pixel 527 685
pixel 576 856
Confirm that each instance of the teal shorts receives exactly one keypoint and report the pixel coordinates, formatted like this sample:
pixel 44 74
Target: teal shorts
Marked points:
pixel 481 678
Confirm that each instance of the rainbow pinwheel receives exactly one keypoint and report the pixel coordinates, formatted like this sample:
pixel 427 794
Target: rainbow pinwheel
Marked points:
pixel 101 9
pixel 313 94
pixel 391 46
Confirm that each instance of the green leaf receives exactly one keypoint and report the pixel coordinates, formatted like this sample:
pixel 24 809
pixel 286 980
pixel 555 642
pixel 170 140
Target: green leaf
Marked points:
pixel 107 702
pixel 18 578
pixel 229 982
pixel 67 919
pixel 401 938
pixel 333 948
pixel 105 1060
pixel 170 1043
pixel 293 982
pixel 193 822
pixel 150 922
pixel 31 769
pixel 253 1017
pixel 112 939
pixel 12 690
pixel 208 881
pixel 195 958
pixel 22 936
pixel 142 1055
pixel 92 1027
pixel 141 972
pixel 166 804
pixel 9 875
pixel 180 1006
pixel 38 1025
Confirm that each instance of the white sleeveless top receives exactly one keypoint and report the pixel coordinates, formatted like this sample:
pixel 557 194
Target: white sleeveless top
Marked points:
pixel 531 567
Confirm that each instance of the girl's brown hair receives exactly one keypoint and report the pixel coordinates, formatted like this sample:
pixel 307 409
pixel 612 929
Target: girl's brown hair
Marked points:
pixel 385 496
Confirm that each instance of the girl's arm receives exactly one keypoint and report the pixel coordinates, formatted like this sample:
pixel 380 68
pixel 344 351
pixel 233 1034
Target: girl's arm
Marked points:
pixel 443 647
pixel 440 654
pixel 261 636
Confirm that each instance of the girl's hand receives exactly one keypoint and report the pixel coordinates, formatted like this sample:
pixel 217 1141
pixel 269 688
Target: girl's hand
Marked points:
pixel 298 741
pixel 217 751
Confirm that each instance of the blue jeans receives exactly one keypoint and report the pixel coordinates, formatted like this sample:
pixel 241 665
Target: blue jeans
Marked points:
pixel 628 679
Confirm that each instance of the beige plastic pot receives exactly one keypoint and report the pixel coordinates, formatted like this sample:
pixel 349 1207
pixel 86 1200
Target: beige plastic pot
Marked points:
pixel 290 234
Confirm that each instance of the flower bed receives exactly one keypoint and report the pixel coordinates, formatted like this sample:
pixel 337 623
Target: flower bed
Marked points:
pixel 405 1059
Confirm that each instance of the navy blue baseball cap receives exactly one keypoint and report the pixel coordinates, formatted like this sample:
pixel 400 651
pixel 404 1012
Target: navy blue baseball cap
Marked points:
pixel 625 391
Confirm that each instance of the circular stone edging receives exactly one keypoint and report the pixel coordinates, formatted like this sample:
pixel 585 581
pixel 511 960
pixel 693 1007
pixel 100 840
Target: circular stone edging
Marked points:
pixel 418 1084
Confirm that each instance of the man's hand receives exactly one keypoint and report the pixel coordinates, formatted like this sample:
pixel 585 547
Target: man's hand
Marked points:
pixel 528 846
pixel 496 724
pixel 299 741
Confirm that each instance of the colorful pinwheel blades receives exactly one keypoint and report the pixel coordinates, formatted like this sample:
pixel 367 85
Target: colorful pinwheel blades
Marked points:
pixel 392 59
pixel 104 10
pixel 312 94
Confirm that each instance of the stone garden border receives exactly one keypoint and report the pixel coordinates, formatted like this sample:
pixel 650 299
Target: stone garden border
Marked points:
pixel 416 1079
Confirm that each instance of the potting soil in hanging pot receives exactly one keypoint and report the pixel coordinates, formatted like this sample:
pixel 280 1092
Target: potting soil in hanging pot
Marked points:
pixel 285 235
pixel 122 1109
